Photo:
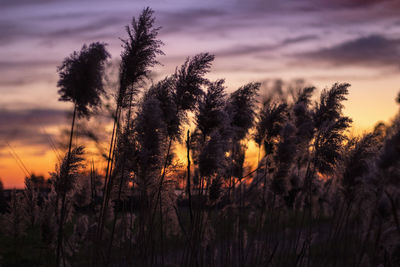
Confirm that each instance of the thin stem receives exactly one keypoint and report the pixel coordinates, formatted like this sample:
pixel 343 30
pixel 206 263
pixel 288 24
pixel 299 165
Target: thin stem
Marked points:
pixel 62 214
pixel 188 176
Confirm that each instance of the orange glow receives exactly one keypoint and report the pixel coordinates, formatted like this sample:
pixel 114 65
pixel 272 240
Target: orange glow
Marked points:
pixel 40 164
pixel 37 160
pixel 42 160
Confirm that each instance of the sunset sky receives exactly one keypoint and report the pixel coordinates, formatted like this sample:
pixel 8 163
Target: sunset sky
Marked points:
pixel 320 41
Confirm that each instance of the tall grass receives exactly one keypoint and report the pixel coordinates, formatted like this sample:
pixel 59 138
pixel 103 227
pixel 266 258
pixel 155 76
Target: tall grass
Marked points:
pixel 317 197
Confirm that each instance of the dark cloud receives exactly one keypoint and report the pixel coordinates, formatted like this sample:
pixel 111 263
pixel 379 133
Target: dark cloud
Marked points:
pixel 259 6
pixel 312 5
pixel 263 48
pixel 321 13
pixel 12 3
pixel 11 31
pixel 28 64
pixel 94 23
pixel 351 3
pixel 188 18
pixel 31 117
pixel 299 39
pixel 87 29
pixel 18 73
pixel 27 126
pixel 30 78
pixel 370 50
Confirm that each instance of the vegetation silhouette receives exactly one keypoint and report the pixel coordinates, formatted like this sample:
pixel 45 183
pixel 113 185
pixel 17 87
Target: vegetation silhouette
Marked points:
pixel 81 82
pixel 317 196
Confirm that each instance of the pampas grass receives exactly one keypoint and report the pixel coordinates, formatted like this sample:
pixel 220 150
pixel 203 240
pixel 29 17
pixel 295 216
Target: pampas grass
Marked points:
pixel 317 196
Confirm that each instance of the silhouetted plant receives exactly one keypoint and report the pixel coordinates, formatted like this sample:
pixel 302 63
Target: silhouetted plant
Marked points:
pixel 302 114
pixel 270 123
pixel 139 54
pixel 212 157
pixel 81 77
pixel 387 183
pixel 241 109
pixel 208 145
pixel 64 180
pixel 150 134
pixel 30 203
pixel 3 203
pixel 188 81
pixel 67 172
pixel 81 82
pixel 330 126
pixel 318 197
pixel 284 158
pixel 211 115
pixel 163 91
pixel 358 164
pixel 15 225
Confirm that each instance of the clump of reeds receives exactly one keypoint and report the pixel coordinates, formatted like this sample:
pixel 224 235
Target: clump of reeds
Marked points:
pixel 316 197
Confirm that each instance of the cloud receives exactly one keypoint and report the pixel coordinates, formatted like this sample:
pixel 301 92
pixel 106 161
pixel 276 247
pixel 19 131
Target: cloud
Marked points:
pixel 86 29
pixel 299 39
pixel 177 21
pixel 31 117
pixel 28 64
pixel 306 6
pixel 374 50
pixel 12 3
pixel 353 3
pixel 10 31
pixel 263 48
pixel 17 82
pixel 27 126
pixel 81 28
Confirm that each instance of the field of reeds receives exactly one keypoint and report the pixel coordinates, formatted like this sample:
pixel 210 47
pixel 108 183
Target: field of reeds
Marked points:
pixel 317 196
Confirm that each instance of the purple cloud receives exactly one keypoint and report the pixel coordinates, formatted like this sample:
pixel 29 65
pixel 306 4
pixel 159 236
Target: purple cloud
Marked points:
pixel 374 50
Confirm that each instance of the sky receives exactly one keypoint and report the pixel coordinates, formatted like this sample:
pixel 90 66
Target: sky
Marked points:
pixel 319 41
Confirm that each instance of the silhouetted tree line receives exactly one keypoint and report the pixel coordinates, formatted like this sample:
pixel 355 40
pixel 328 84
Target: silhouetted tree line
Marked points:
pixel 317 197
